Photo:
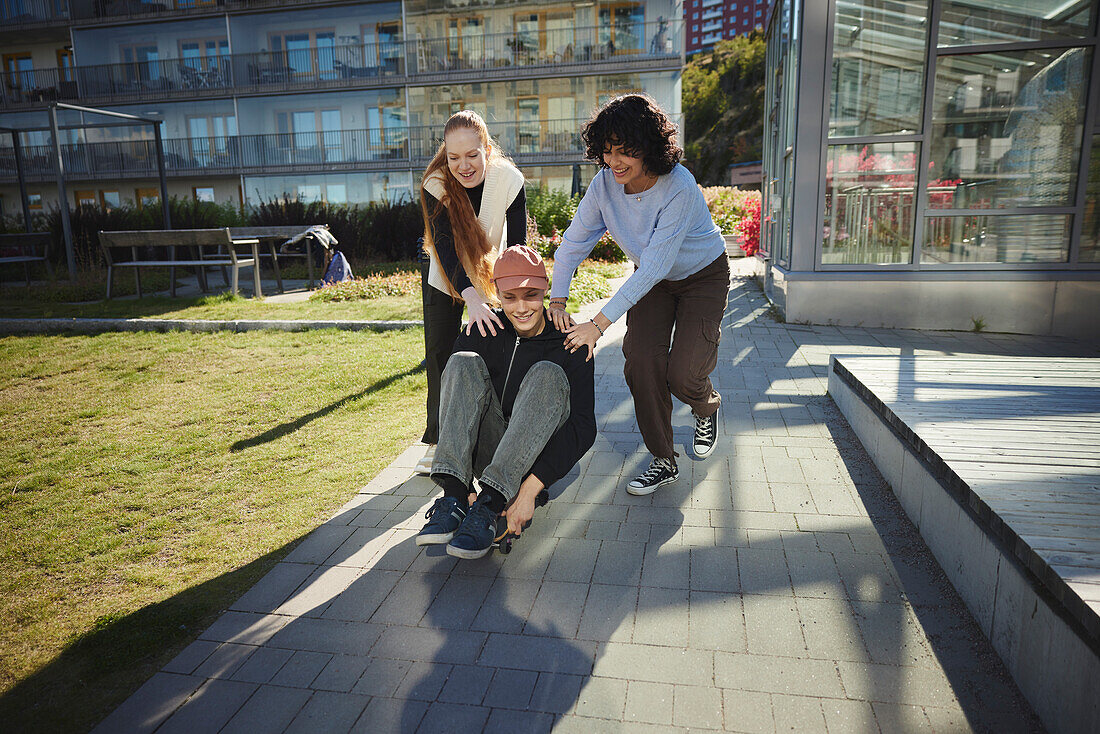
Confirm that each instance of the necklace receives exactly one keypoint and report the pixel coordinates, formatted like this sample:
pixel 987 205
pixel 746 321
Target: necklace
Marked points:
pixel 638 194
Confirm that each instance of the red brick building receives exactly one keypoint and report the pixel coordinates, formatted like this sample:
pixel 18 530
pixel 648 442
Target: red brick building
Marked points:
pixel 708 21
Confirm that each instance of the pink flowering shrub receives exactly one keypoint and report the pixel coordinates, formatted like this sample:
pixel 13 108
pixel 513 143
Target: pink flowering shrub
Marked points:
pixel 749 226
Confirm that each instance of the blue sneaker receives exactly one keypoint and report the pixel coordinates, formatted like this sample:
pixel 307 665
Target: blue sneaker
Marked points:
pixel 474 537
pixel 444 517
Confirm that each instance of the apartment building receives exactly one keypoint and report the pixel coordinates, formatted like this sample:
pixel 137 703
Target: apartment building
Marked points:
pixel 340 101
pixel 708 21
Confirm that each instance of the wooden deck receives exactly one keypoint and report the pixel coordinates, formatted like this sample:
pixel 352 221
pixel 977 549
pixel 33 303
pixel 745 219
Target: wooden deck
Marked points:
pixel 1017 439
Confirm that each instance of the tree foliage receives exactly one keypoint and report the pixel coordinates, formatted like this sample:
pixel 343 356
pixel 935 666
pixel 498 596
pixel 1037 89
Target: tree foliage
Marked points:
pixel 723 103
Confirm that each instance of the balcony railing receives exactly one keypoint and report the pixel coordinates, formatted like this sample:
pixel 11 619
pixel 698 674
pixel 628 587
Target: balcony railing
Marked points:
pixel 530 141
pixel 585 45
pixel 17 14
pixel 90 10
pixel 362 65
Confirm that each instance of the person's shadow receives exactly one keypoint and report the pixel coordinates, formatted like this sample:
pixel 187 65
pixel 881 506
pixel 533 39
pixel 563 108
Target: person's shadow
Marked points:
pixel 529 668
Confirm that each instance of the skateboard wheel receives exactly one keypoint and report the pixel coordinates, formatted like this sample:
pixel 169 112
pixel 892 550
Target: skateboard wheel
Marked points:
pixel 506 546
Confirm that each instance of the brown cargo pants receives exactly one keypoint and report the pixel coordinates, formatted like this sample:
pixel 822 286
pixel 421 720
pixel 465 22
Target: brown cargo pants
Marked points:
pixel 659 365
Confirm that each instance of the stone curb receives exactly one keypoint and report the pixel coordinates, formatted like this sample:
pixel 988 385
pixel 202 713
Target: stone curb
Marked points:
pixel 100 326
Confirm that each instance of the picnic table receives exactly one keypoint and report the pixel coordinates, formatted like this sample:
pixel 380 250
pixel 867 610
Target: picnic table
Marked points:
pixel 164 245
pixel 276 235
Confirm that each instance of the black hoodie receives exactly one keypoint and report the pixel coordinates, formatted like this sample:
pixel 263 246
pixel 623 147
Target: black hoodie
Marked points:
pixel 509 357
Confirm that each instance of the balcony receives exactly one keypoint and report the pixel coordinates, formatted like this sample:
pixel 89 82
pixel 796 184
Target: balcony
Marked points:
pixel 107 11
pixel 514 55
pixel 508 56
pixel 530 142
pixel 23 14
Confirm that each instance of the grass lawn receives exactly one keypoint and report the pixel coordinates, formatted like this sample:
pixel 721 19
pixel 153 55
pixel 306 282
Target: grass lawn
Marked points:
pixel 42 302
pixel 384 308
pixel 147 480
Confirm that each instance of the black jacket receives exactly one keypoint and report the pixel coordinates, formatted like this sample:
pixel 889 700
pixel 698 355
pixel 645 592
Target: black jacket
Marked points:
pixel 572 440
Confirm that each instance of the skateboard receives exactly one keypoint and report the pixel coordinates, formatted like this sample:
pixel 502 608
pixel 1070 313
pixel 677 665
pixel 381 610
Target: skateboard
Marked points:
pixel 504 539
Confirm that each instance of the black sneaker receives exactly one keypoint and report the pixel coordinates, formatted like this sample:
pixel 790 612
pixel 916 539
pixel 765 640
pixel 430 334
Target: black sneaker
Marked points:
pixel 444 517
pixel 661 471
pixel 474 537
pixel 706 434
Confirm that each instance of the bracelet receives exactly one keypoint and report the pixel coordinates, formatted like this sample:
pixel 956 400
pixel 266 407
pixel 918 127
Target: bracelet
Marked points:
pixel 596 325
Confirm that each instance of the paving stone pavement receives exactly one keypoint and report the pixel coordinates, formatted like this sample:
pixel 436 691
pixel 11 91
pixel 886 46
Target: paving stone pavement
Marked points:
pixel 777 586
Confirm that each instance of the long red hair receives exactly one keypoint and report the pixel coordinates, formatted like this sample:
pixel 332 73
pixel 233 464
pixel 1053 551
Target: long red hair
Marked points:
pixel 473 248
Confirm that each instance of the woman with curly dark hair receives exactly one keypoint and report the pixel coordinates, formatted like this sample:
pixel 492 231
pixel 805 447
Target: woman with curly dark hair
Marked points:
pixel 655 212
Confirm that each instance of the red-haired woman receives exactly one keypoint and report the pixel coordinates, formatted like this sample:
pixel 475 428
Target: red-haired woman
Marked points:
pixel 473 202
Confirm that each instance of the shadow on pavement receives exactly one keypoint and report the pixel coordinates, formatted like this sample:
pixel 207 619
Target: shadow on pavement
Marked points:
pixel 360 630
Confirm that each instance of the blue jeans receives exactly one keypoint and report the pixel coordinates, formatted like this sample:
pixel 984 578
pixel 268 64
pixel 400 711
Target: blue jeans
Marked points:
pixel 475 439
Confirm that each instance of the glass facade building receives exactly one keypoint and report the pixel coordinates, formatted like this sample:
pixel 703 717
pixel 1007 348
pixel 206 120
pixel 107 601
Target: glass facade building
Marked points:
pixel 341 101
pixel 931 163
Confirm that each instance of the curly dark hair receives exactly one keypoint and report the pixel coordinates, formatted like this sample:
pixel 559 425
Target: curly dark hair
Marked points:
pixel 637 123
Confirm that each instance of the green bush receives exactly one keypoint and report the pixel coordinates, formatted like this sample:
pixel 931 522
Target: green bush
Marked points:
pixel 587 286
pixel 371 232
pixel 546 245
pixel 376 231
pixel 728 206
pixel 552 210
pixel 608 250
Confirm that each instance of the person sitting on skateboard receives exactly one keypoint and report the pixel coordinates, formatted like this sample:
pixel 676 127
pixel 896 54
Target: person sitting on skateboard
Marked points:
pixel 516 411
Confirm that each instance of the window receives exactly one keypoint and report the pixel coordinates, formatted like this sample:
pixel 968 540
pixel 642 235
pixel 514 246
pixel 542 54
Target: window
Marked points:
pixel 1006 129
pixel 336 193
pixel 527 125
pixel 878 67
pixel 970 22
pixel 382 46
pixel 141 63
pixel 20 70
pixel 65 64
pixel 210 135
pixel 466 39
pixel 146 197
pixel 203 193
pixel 312 130
pixel 621 27
pixel 307 53
pixel 85 198
pixel 34 200
pixel 695 28
pixel 386 128
pixel 865 183
pixel 110 199
pixel 205 54
pixel 1090 227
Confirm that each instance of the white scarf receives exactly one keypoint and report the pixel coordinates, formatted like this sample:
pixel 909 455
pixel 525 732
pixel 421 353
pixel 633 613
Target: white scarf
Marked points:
pixel 502 183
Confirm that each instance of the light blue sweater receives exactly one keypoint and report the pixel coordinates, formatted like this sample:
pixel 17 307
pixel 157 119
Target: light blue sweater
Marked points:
pixel 666 231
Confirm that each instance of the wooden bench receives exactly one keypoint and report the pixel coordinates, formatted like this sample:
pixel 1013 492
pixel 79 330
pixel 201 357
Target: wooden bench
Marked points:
pixel 276 235
pixel 193 241
pixel 26 248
